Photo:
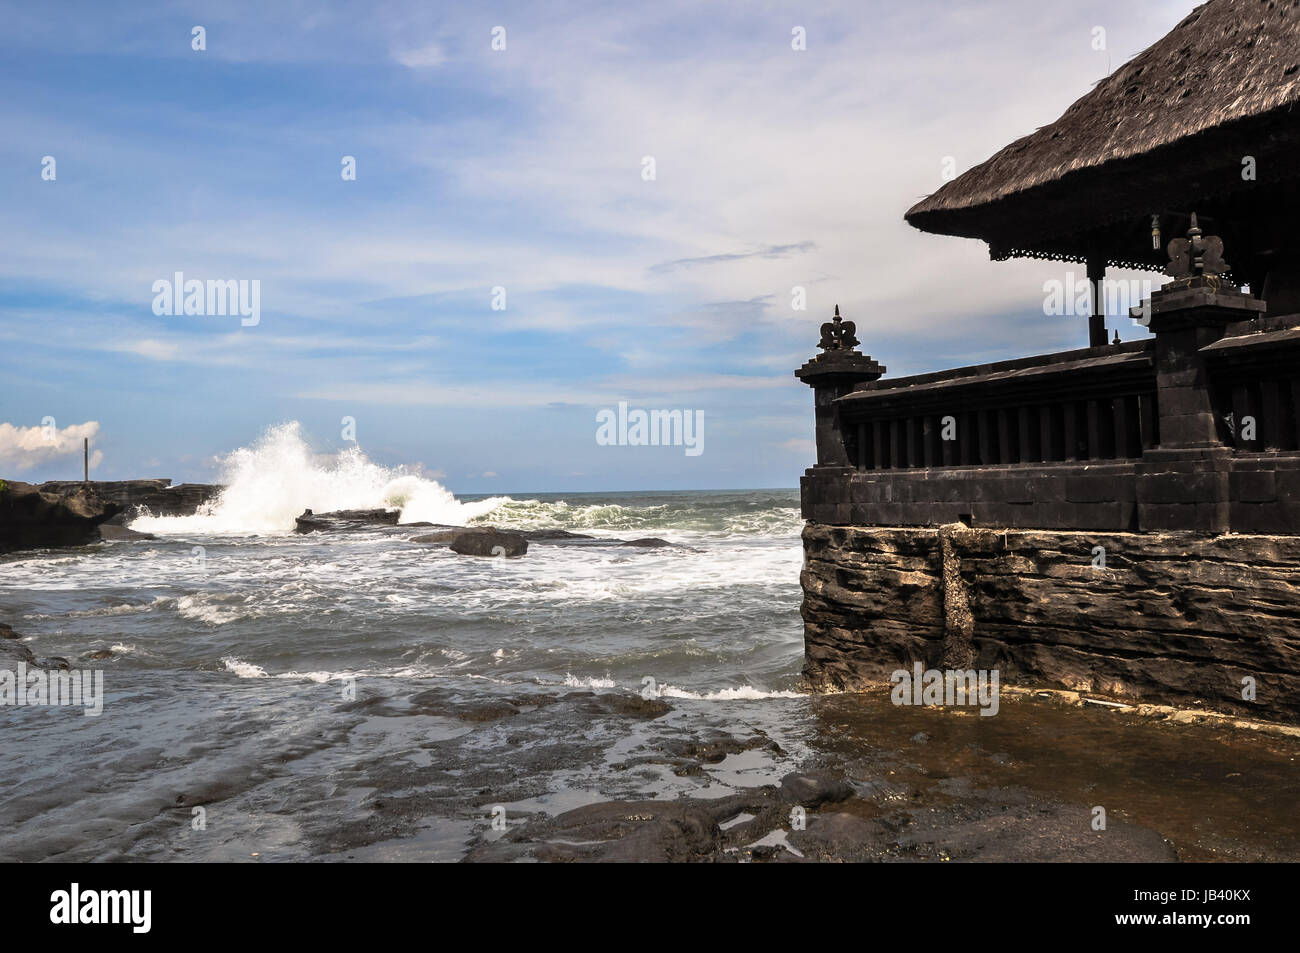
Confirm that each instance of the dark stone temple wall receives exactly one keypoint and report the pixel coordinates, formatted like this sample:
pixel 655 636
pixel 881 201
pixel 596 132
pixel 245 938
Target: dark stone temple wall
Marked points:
pixel 1259 493
pixel 1174 618
pixel 956 518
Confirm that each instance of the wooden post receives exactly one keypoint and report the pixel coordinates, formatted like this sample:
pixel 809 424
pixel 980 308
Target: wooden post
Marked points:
pixel 1097 323
pixel 85 459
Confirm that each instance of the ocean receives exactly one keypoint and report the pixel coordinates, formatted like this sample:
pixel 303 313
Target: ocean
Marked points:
pixel 354 695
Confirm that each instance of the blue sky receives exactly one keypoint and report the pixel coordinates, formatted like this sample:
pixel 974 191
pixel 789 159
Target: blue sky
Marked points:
pixel 518 168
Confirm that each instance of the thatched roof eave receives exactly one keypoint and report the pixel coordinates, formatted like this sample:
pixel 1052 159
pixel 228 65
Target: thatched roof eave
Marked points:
pixel 1171 125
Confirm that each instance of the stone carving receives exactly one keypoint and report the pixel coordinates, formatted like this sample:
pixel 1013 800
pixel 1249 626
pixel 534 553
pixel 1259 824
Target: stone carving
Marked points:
pixel 1196 254
pixel 838 335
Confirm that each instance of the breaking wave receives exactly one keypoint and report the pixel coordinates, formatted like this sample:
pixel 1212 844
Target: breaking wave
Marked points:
pixel 272 481
pixel 275 479
pixel 737 515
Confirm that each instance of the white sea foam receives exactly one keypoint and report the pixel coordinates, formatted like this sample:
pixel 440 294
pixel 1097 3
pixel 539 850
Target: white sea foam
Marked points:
pixel 275 479
pixel 243 669
pixel 203 609
pixel 124 609
pixel 742 693
pixel 675 522
pixel 572 681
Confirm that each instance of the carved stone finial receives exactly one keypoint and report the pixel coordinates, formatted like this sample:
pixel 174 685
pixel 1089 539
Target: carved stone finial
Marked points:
pixel 1196 254
pixel 838 335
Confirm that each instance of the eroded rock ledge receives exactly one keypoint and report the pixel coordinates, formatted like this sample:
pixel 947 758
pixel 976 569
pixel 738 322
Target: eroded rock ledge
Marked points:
pixel 1173 618
pixel 33 517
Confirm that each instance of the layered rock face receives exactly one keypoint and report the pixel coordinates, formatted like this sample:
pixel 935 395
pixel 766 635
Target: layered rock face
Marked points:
pixel 1175 618
pixel 159 497
pixel 32 517
pixel 340 520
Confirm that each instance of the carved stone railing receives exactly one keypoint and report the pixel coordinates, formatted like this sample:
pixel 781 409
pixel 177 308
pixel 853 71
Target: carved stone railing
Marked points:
pixel 1195 428
pixel 1094 404
pixel 1255 387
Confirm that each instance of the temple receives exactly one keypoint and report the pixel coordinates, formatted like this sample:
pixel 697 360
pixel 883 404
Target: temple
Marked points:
pixel 1123 518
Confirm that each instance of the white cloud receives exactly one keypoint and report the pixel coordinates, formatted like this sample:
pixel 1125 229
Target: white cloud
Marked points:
pixel 150 348
pixel 22 448
pixel 806 447
pixel 421 57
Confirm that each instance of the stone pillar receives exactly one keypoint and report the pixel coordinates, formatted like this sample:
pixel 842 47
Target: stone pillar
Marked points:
pixel 831 375
pixel 1182 484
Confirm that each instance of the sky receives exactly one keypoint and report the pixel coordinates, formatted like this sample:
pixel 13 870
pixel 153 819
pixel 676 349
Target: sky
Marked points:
pixel 506 263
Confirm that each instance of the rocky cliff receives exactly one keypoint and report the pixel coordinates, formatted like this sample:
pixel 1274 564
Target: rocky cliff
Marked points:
pixel 159 497
pixel 32 516
pixel 71 513
pixel 1178 618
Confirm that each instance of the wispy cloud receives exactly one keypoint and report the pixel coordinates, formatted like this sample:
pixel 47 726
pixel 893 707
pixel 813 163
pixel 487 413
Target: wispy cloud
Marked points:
pixel 769 252
pixel 424 57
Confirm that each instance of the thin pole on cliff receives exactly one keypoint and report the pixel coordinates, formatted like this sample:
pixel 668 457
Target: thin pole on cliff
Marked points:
pixel 85 459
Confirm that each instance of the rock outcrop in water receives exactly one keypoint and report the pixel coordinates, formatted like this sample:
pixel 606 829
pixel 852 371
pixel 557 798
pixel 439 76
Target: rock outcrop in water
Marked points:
pixel 13 653
pixel 120 534
pixel 34 517
pixel 488 541
pixel 343 520
pixel 481 540
pixel 159 496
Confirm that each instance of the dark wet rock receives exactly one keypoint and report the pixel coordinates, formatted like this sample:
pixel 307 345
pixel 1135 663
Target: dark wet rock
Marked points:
pixel 654 542
pixel 618 832
pixel 1017 826
pixel 814 790
pixel 717 746
pixel 689 829
pixel 12 652
pixel 920 737
pixel 32 517
pixel 159 497
pixel 443 536
pixel 7 632
pixel 488 541
pixel 433 701
pixel 344 520
pixel 551 535
pixel 366 704
pixel 98 655
pixel 487 711
pixel 443 703
pixel 688 756
pixel 111 533
pixel 839 836
pixel 868 796
pixel 477 540
pixel 622 703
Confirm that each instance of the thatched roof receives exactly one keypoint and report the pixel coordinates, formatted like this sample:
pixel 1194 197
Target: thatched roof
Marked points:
pixel 1162 131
